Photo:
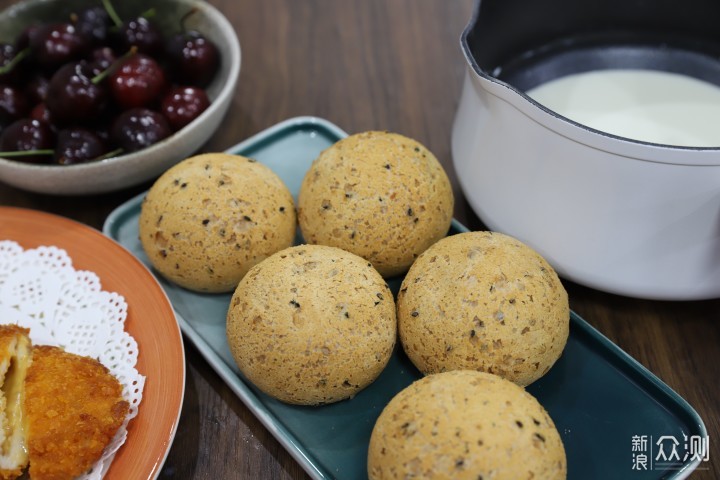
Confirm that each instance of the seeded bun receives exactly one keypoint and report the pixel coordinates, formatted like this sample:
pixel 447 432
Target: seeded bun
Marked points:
pixel 207 220
pixel 465 425
pixel 312 325
pixel 483 301
pixel 380 195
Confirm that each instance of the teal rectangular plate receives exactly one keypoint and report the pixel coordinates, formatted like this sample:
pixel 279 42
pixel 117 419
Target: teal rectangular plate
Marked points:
pixel 598 396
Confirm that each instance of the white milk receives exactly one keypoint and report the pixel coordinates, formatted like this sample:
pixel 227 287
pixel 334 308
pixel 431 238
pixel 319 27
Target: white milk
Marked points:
pixel 645 105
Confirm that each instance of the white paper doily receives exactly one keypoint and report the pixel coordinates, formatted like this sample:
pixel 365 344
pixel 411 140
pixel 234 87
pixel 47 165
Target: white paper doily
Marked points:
pixel 40 290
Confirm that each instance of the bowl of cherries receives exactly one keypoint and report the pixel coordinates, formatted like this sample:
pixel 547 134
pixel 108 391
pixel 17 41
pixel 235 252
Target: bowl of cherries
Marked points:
pixel 100 95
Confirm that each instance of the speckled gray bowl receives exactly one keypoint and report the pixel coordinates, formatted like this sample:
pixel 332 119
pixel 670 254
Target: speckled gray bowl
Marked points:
pixel 134 168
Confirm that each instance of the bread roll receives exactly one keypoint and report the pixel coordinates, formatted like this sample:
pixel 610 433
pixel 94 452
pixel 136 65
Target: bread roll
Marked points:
pixel 207 220
pixel 380 195
pixel 465 425
pixel 312 325
pixel 483 301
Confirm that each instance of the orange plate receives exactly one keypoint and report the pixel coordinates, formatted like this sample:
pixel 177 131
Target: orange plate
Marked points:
pixel 150 320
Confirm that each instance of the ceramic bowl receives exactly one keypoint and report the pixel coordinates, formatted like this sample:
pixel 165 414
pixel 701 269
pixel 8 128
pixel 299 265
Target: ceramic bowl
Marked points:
pixel 133 168
pixel 616 214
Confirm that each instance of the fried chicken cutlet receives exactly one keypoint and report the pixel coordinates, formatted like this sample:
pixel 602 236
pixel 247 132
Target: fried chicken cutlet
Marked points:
pixel 73 408
pixel 15 358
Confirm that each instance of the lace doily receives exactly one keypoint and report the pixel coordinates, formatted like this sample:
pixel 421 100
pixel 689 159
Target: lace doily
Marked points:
pixel 40 290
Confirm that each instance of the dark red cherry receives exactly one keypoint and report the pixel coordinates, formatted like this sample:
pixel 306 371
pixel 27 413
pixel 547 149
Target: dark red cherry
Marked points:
pixel 101 59
pixel 73 97
pixel 139 128
pixel 93 23
pixel 13 74
pixel 137 82
pixel 27 134
pixel 141 33
pixel 36 89
pixel 57 43
pixel 13 104
pixel 104 55
pixel 193 58
pixel 22 41
pixel 103 131
pixel 182 105
pixel 40 112
pixel 78 145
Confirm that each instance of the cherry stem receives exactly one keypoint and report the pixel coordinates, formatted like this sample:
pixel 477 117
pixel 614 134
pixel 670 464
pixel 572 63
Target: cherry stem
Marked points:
pixel 112 13
pixel 26 153
pixel 16 59
pixel 149 13
pixel 113 153
pixel 104 74
pixel 184 18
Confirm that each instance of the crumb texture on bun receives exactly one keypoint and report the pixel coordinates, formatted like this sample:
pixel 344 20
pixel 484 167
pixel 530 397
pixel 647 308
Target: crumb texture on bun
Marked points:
pixel 483 301
pixel 312 325
pixel 462 425
pixel 379 195
pixel 206 221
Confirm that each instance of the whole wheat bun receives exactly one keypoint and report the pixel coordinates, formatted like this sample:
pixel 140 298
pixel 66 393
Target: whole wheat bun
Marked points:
pixel 206 221
pixel 312 325
pixel 465 424
pixel 483 301
pixel 380 195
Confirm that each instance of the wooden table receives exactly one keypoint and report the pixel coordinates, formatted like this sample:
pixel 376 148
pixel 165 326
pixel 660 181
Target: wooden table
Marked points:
pixel 394 65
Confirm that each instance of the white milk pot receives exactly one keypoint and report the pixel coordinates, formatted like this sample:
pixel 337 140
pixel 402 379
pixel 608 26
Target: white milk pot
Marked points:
pixel 619 215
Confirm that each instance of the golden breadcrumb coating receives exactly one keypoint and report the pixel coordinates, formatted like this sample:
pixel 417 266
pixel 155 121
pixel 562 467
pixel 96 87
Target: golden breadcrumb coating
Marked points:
pixel 15 358
pixel 73 408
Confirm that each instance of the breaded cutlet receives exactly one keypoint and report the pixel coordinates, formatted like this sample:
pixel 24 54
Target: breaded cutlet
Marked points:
pixel 73 408
pixel 15 357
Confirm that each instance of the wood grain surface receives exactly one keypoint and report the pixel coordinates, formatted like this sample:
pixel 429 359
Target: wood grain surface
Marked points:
pixel 395 65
